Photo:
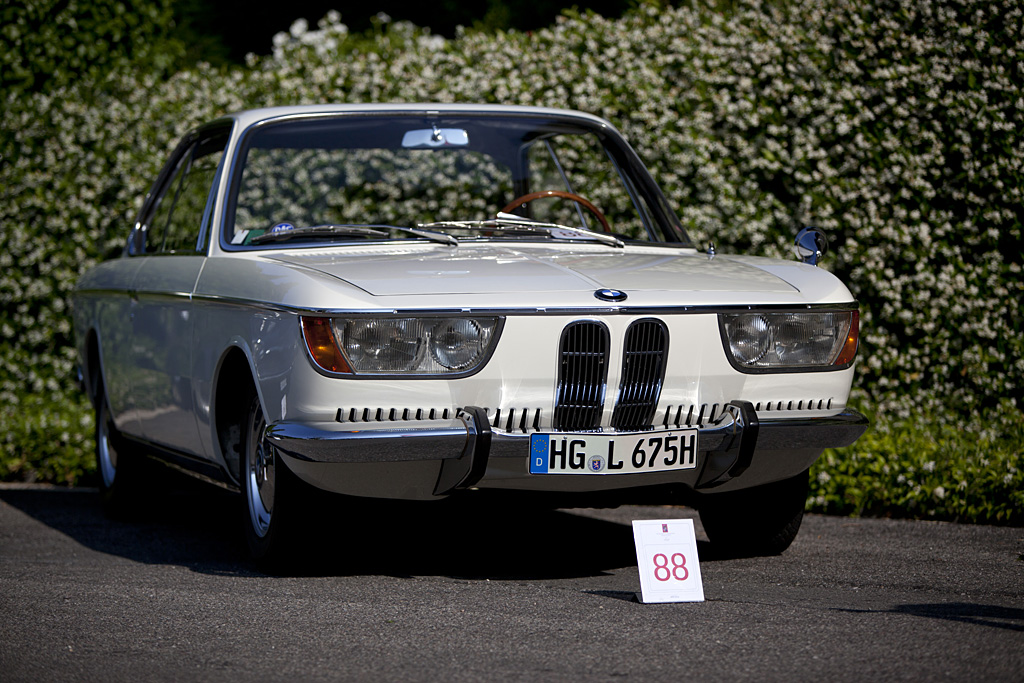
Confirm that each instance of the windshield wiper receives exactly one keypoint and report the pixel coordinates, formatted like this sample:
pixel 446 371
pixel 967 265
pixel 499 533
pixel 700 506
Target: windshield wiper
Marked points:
pixel 335 230
pixel 512 223
pixel 441 237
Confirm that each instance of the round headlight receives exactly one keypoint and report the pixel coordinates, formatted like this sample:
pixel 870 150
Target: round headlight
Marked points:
pixel 749 338
pixel 457 343
pixel 379 346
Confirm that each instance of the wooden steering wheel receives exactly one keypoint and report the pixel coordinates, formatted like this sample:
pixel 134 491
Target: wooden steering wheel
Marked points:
pixel 519 201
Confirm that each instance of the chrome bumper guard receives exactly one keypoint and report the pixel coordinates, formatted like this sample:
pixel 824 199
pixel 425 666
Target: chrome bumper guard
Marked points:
pixel 465 444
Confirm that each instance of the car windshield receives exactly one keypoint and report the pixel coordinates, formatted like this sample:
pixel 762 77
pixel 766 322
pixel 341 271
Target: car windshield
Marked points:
pixel 357 178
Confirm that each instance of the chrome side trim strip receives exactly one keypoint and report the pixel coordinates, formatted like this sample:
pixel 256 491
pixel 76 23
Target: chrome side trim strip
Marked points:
pixel 135 293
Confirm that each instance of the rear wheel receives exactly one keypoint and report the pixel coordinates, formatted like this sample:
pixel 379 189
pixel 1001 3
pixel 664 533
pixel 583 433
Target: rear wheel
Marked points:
pixel 267 489
pixel 759 521
pixel 120 471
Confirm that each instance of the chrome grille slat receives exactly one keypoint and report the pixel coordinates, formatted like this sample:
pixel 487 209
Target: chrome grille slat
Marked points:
pixel 703 414
pixel 510 420
pixel 367 414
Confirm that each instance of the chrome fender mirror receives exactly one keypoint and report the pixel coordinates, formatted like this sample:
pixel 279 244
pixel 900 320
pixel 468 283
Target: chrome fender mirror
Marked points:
pixel 811 245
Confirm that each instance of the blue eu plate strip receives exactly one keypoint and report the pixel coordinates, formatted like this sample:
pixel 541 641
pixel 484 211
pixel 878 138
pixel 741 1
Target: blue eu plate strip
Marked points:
pixel 539 453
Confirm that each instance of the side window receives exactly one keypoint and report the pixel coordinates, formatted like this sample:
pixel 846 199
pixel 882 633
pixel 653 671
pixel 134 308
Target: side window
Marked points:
pixel 176 221
pixel 155 225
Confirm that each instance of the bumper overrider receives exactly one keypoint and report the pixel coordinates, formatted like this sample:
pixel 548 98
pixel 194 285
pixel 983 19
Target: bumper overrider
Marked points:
pixel 727 448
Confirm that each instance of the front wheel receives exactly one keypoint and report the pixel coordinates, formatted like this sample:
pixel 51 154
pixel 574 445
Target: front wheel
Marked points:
pixel 762 520
pixel 267 488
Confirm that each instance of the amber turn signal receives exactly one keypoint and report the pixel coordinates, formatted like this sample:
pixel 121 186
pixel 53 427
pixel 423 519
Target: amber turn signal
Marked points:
pixel 849 350
pixel 321 345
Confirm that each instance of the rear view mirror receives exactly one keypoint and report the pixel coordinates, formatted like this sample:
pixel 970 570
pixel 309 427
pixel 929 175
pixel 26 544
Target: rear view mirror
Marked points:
pixel 435 137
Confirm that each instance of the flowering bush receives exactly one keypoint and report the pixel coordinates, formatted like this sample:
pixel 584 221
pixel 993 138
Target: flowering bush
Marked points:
pixel 53 43
pixel 893 124
pixel 915 468
pixel 47 441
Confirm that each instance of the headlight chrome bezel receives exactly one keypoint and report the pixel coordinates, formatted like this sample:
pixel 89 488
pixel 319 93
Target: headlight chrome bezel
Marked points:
pixel 352 339
pixel 773 321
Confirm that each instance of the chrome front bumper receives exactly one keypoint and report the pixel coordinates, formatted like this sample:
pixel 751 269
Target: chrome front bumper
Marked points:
pixel 467 443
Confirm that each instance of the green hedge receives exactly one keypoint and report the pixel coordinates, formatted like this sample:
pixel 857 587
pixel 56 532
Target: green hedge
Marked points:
pixel 915 468
pixel 47 440
pixel 49 44
pixel 892 124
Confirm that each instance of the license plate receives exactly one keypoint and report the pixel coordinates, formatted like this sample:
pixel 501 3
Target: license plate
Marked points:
pixel 613 454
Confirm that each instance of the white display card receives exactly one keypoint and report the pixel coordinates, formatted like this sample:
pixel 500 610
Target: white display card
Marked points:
pixel 666 555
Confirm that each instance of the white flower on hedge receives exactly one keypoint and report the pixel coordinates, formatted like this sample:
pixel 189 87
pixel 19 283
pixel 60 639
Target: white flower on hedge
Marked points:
pixel 298 28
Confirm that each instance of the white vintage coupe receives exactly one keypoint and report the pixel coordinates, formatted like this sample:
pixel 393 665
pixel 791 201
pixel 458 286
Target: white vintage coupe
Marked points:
pixel 422 301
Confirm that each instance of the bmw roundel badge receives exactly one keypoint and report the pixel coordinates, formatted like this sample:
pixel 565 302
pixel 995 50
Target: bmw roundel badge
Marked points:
pixel 610 295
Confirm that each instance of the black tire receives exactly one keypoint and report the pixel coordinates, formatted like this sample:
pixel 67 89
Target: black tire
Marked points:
pixel 759 521
pixel 120 470
pixel 268 491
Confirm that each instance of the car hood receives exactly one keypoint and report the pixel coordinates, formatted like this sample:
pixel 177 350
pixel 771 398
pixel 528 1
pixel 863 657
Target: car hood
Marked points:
pixel 499 270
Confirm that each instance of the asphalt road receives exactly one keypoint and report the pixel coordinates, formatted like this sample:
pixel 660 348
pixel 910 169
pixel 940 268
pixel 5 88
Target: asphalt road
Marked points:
pixel 440 594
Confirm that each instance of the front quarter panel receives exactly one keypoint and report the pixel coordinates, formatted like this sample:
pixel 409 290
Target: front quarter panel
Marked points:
pixel 246 304
pixel 813 281
pixel 249 278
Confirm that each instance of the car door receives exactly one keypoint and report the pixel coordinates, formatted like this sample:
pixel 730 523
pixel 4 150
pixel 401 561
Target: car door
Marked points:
pixel 104 292
pixel 171 245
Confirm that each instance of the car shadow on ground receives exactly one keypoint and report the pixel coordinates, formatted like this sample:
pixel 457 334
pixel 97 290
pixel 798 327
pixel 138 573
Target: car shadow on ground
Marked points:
pixel 198 526
pixel 992 616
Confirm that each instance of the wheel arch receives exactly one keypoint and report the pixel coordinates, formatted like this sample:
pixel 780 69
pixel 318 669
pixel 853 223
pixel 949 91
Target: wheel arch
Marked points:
pixel 235 378
pixel 92 370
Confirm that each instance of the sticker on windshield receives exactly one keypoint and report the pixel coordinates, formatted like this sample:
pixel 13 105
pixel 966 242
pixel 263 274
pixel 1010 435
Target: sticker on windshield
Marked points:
pixel 567 234
pixel 282 227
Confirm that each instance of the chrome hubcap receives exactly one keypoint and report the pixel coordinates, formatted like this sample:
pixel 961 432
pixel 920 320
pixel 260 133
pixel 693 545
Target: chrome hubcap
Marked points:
pixel 261 476
pixel 107 455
